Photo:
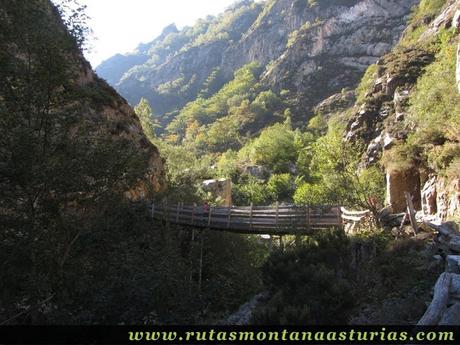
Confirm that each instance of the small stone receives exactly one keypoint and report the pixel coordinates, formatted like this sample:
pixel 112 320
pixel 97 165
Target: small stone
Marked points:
pixel 438 259
pixel 387 141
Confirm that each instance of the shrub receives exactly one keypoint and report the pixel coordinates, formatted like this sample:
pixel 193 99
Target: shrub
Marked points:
pixel 252 191
pixel 366 83
pixel 311 194
pixel 275 148
pixel 308 284
pixel 281 187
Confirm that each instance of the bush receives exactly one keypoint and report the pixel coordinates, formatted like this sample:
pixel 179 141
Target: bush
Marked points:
pixel 432 108
pixel 308 284
pixel 252 191
pixel 281 187
pixel 275 148
pixel 311 194
pixel 227 164
pixel 366 83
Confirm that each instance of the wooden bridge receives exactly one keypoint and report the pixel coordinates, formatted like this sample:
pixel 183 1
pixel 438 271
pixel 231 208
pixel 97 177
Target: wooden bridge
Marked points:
pixel 273 220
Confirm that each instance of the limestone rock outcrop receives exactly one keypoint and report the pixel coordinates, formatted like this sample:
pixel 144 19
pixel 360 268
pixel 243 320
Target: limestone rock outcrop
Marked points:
pixel 220 190
pixel 380 123
pixel 311 50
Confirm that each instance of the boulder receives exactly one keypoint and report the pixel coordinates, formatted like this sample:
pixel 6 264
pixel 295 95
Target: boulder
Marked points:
pixel 388 141
pixel 258 171
pixel 244 314
pixel 221 189
pixel 456 20
pixel 447 198
pixel 374 148
pixel 400 100
pixel 399 182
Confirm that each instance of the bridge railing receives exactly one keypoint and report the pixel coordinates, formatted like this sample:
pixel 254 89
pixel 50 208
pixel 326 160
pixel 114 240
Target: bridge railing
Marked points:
pixel 252 219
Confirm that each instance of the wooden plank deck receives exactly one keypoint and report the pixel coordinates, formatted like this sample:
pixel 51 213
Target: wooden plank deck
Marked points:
pixel 276 220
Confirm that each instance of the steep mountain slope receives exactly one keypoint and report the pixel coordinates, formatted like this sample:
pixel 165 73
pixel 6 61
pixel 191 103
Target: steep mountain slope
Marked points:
pixel 72 159
pixel 178 63
pixel 89 106
pixel 408 115
pixel 309 50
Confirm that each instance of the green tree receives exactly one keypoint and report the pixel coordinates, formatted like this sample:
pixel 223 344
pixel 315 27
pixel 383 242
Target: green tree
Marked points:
pixel 275 148
pixel 281 186
pixel 145 114
pixel 56 163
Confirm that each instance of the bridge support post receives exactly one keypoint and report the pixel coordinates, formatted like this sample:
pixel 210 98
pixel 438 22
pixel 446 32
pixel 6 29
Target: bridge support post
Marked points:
pixel 270 244
pixel 200 268
pixel 281 243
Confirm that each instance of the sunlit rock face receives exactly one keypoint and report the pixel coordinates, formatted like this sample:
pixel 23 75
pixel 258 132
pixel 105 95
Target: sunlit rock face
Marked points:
pixel 335 50
pixel 312 51
pixel 379 122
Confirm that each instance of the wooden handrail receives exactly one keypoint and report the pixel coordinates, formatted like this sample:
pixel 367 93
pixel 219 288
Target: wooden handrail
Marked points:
pixel 279 219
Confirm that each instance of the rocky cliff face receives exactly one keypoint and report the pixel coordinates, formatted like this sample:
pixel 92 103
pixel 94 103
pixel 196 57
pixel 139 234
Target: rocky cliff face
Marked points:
pixel 178 63
pixel 60 80
pixel 335 48
pixel 392 126
pixel 112 112
pixel 310 50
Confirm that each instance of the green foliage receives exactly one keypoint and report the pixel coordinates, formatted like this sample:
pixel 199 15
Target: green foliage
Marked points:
pixel 212 83
pixel 336 176
pixel 421 16
pixel 227 26
pixel 318 124
pixel 331 278
pixel 311 194
pixel 251 191
pixel 292 38
pixel 436 110
pixel 58 166
pixel 227 165
pixel 428 8
pixel 397 281
pixel 309 284
pixel 206 111
pixel 145 115
pixel 366 83
pixel 281 186
pixel 274 148
pixel 222 135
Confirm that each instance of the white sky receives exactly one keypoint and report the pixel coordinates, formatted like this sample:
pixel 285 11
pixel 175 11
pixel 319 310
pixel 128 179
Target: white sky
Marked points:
pixel 120 25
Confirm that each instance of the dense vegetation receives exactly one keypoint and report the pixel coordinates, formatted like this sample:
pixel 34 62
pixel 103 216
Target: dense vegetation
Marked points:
pixel 73 249
pixel 332 278
pixel 434 113
pixel 219 135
